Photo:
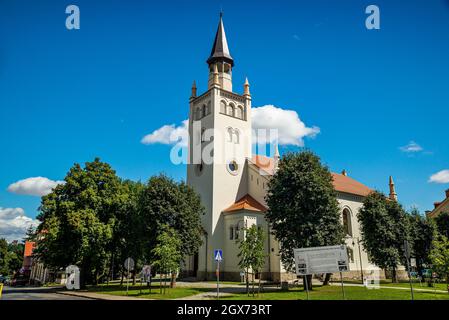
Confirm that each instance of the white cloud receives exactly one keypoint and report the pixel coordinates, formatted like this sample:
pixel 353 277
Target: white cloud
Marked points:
pixel 440 177
pixel 291 129
pixel 14 223
pixel 412 146
pixel 36 186
pixel 168 134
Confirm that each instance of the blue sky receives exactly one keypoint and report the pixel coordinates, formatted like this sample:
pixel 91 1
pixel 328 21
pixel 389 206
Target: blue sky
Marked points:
pixel 70 96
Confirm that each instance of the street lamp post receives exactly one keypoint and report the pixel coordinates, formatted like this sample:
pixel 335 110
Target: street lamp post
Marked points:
pixel 360 256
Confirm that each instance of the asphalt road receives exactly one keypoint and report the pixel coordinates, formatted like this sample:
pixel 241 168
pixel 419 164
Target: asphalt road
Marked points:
pixel 35 293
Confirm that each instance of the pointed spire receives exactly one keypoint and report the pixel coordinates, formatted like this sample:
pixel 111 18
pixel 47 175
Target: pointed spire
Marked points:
pixel 344 172
pixel 194 89
pixel 393 194
pixel 277 156
pixel 220 50
pixel 246 88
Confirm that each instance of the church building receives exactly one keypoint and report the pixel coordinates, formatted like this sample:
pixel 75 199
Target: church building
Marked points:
pixel 233 182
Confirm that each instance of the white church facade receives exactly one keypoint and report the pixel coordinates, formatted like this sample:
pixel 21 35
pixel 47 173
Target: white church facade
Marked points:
pixel 233 182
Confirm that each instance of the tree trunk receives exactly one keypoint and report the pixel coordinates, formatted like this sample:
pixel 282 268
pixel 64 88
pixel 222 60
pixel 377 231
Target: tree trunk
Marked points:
pixel 258 291
pixel 394 275
pixel 173 280
pixel 253 282
pixel 134 278
pixel 121 279
pixel 327 279
pixel 247 282
pixel 160 282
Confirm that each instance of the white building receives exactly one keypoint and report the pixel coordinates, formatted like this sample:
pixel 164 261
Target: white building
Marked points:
pixel 232 182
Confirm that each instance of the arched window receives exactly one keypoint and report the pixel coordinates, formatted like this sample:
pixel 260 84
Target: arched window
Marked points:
pixel 204 110
pixel 237 136
pixel 347 222
pixel 198 113
pixel 203 130
pixel 230 110
pixel 231 233
pixel 230 133
pixel 239 112
pixel 223 107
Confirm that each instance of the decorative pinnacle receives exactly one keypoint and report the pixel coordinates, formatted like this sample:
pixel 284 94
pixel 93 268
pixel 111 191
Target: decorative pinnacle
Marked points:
pixel 393 194
pixel 194 89
pixel 246 88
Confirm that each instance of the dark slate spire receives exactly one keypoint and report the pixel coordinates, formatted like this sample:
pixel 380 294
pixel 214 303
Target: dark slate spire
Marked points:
pixel 220 50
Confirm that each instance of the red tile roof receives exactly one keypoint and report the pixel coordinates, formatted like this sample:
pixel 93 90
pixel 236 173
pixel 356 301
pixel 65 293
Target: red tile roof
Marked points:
pixel 348 185
pixel 246 203
pixel 341 182
pixel 264 163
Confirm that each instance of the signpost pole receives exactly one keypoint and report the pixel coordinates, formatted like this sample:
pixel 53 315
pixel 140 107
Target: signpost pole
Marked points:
pixel 218 279
pixel 307 286
pixel 342 286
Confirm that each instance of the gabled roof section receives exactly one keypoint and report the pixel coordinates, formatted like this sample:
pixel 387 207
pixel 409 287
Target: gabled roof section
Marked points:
pixel 346 184
pixel 220 50
pixel 263 162
pixel 246 203
pixel 341 182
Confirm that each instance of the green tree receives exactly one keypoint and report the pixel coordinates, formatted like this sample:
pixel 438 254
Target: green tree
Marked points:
pixel 439 255
pixel 252 253
pixel 422 232
pixel 384 228
pixel 165 202
pixel 303 209
pixel 442 221
pixel 77 220
pixel 4 269
pixel 126 238
pixel 167 252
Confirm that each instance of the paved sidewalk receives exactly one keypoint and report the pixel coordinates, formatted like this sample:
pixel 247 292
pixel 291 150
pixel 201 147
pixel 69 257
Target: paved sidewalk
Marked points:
pixel 388 287
pixel 97 296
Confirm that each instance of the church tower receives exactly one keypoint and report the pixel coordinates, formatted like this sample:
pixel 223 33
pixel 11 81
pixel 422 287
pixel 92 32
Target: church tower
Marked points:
pixel 219 144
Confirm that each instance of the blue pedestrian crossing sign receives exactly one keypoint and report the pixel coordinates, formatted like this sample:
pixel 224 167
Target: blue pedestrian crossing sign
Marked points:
pixel 218 255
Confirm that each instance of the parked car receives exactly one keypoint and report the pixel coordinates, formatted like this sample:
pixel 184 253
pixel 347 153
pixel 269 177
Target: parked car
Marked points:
pixel 19 280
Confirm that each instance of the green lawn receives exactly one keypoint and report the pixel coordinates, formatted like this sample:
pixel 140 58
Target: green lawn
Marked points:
pixel 318 293
pixel 335 293
pixel 406 284
pixel 144 292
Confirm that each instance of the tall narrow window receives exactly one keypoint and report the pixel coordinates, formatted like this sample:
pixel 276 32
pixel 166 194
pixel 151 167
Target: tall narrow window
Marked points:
pixel 239 112
pixel 230 110
pixel 231 233
pixel 237 136
pixel 347 222
pixel 230 133
pixel 222 107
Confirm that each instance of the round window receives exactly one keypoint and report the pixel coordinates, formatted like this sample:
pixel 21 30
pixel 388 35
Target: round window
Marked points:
pixel 233 167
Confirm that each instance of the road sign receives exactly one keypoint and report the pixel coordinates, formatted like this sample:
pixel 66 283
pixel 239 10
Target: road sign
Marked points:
pixel 218 255
pixel 321 260
pixel 129 264
pixel 72 277
pixel 146 272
